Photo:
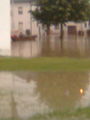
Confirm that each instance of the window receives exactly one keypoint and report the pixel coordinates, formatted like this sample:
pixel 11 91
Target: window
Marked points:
pixel 89 23
pixel 20 10
pixel 85 25
pixel 20 26
pixel 56 27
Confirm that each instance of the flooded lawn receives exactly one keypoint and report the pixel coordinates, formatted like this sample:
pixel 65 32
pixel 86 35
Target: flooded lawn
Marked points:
pixel 44 95
pixel 71 46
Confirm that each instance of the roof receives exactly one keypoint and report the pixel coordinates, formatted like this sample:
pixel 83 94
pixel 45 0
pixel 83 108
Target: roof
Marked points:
pixel 22 1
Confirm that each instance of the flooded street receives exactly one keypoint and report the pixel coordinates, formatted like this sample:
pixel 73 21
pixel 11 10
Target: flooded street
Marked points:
pixel 70 46
pixel 53 83
pixel 47 95
pixel 24 95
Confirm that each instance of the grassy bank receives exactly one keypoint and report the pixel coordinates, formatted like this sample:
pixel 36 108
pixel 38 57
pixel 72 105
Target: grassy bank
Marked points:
pixel 45 64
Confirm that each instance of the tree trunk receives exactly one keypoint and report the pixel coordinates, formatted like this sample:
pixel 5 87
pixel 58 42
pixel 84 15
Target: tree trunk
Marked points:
pixel 48 30
pixel 61 31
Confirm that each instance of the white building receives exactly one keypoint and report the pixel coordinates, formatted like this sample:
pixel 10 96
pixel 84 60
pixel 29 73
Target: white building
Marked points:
pixel 22 20
pixel 72 27
pixel 5 27
pixel 78 27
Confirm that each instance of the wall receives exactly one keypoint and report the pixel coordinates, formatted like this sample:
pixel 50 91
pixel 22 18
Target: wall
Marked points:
pixel 5 27
pixel 25 18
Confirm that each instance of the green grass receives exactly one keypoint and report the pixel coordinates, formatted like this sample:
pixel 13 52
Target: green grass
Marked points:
pixel 78 114
pixel 45 64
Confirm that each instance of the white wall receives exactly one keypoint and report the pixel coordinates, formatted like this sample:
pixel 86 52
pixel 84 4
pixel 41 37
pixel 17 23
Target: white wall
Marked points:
pixel 5 27
pixel 25 18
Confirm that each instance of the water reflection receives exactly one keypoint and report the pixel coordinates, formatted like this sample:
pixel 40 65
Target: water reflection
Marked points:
pixel 62 90
pixel 25 48
pixel 85 100
pixel 72 46
pixel 26 94
pixel 19 99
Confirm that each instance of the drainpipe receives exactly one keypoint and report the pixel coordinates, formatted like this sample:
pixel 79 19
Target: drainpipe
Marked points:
pixel 31 18
pixel 12 15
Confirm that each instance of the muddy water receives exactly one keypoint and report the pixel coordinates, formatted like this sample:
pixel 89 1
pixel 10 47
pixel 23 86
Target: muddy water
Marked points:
pixel 71 46
pixel 24 95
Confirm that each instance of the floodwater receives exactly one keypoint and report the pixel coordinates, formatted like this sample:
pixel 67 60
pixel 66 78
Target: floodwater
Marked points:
pixel 41 96
pixel 70 46
pixel 47 95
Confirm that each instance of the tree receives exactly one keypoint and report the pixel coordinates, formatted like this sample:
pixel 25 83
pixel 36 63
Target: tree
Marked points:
pixel 70 10
pixel 61 13
pixel 43 13
pixel 55 12
pixel 79 10
pixel 51 12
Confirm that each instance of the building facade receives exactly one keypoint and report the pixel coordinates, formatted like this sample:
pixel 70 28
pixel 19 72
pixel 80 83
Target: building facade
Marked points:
pixel 72 27
pixel 22 21
pixel 5 42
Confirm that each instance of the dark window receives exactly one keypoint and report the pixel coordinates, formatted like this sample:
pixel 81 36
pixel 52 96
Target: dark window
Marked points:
pixel 20 26
pixel 85 25
pixel 20 10
pixel 89 23
pixel 72 29
pixel 56 27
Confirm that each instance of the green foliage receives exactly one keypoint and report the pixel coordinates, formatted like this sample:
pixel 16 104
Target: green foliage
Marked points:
pixel 44 12
pixel 78 114
pixel 55 12
pixel 79 10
